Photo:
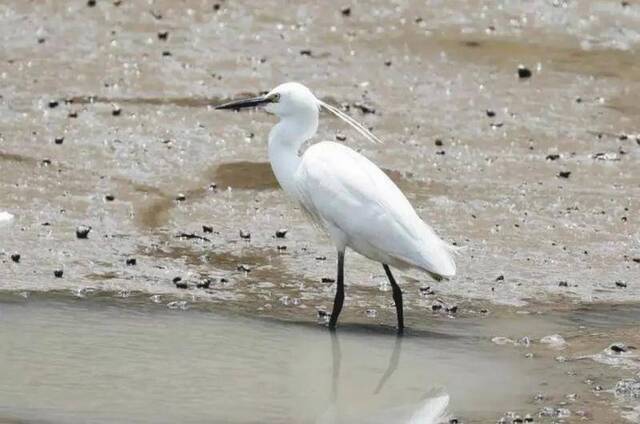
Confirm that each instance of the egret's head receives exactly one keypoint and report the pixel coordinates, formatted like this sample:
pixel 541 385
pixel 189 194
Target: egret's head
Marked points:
pixel 288 99
pixel 294 100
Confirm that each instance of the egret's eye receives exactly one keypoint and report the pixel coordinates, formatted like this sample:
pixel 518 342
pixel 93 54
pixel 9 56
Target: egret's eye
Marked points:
pixel 275 98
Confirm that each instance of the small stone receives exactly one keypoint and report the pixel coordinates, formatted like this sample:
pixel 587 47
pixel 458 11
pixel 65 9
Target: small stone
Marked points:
pixel 216 7
pixel 281 233
pixel 58 273
pixel 364 108
pixel 528 418
pixel 53 104
pixel 426 291
pixel 179 283
pixel 163 35
pixel 621 284
pixel 346 11
pixel 491 113
pixel 305 52
pixel 109 197
pixel 181 197
pixel 563 284
pixel 207 229
pixel 73 114
pixel 15 257
pixel 436 307
pixel 500 278
pixel 452 309
pixel 245 234
pixel 166 53
pixel 341 137
pixel 553 156
pixel 116 111
pixel 327 280
pixel 82 232
pixel 244 268
pixel 281 247
pixel 618 348
pixel 131 261
pixel 564 174
pixel 91 3
pixel 320 258
pixel 387 63
pixel 524 72
pixel 58 140
pixel 438 142
pixel 204 284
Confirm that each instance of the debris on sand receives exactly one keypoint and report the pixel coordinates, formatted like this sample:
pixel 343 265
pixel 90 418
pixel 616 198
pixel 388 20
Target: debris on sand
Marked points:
pixel 245 234
pixel 58 273
pixel 15 257
pixel 191 236
pixel 524 72
pixel 207 229
pixel 82 231
pixel 564 174
pixel 131 261
pixel 281 233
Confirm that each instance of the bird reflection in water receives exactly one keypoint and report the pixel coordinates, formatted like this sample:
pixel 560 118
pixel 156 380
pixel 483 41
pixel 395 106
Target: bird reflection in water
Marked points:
pixel 431 409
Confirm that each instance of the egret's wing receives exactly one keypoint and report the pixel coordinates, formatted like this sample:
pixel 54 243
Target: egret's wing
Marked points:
pixel 340 187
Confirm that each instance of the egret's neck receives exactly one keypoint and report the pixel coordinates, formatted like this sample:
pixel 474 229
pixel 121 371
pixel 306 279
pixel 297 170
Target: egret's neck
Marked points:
pixel 285 140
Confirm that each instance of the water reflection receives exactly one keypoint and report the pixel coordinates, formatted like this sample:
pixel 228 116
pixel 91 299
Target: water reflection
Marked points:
pixel 431 409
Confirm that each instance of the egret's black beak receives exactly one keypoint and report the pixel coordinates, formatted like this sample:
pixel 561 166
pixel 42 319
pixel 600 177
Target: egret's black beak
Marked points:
pixel 244 103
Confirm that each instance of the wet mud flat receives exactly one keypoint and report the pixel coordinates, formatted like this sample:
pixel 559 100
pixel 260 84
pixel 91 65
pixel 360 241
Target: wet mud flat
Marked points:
pixel 106 126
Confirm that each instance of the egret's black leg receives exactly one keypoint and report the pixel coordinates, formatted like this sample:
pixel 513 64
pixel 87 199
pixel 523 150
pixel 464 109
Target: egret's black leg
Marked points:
pixel 397 298
pixel 339 300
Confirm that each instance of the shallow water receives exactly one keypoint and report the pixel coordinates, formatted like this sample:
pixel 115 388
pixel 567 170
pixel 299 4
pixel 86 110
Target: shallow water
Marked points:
pixel 101 360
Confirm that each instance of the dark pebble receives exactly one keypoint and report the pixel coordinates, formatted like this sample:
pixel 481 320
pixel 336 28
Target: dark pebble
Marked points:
pixel 58 273
pixel 426 290
pixel 564 174
pixel 166 53
pixel 455 421
pixel 82 232
pixel 191 236
pixel 207 229
pixel 636 260
pixel 441 152
pixel 500 278
pixel 245 234
pixel 621 284
pixel 116 111
pixel 346 11
pixel 436 307
pixel 387 63
pixel 213 186
pixel 46 162
pixel 179 283
pixel 163 35
pixel 181 197
pixel 91 3
pixel 73 114
pixel 618 348
pixel 322 314
pixel 204 284
pixel 53 104
pixel 364 108
pixel 15 257
pixel 563 284
pixel 281 247
pixel 58 140
pixel 305 52
pixel 491 113
pixel 341 137
pixel 109 198
pixel 41 40
pixel 452 309
pixel 131 261
pixel 524 72
pixel 328 280
pixel 244 268
pixel 438 142
pixel 321 258
pixel 553 156
pixel 281 233
pixel 216 7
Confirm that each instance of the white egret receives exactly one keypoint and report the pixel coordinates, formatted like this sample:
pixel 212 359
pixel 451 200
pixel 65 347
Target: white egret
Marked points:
pixel 346 194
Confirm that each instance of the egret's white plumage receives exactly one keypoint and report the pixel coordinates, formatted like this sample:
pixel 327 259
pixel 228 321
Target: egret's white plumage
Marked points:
pixel 345 193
